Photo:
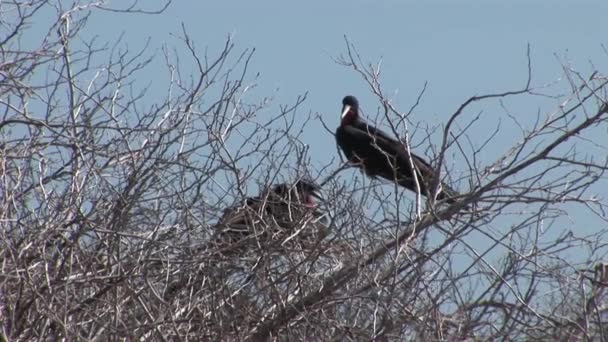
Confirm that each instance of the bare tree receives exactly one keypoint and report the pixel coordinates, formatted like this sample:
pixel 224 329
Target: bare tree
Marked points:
pixel 112 203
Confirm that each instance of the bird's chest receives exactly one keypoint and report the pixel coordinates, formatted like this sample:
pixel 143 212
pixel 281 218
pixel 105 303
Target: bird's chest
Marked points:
pixel 345 143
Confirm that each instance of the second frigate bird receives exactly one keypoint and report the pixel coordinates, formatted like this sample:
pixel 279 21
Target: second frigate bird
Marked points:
pixel 286 212
pixel 261 230
pixel 380 155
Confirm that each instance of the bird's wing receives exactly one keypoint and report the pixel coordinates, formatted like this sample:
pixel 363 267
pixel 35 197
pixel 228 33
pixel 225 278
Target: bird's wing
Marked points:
pixel 395 148
pixel 421 164
pixel 375 132
pixel 391 145
pixel 239 218
pixel 235 220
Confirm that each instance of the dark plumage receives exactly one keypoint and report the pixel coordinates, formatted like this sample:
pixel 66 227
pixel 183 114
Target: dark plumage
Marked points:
pixel 380 155
pixel 285 212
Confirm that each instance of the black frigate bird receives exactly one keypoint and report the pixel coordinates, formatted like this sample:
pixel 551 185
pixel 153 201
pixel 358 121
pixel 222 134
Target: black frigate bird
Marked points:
pixel 283 218
pixel 283 213
pixel 380 155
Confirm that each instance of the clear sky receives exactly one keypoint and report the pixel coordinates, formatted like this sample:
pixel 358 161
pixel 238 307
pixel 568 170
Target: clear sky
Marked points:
pixel 461 48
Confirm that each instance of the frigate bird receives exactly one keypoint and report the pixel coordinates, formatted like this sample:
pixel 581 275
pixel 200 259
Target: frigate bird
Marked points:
pixel 254 240
pixel 380 155
pixel 286 212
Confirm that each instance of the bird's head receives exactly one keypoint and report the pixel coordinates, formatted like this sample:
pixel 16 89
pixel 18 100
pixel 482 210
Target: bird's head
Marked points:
pixel 303 191
pixel 350 109
pixel 309 192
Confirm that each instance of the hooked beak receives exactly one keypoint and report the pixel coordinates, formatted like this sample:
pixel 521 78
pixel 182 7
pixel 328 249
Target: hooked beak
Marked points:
pixel 313 199
pixel 345 111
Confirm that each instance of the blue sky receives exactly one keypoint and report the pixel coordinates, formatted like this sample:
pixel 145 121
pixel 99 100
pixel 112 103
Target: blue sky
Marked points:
pixel 461 48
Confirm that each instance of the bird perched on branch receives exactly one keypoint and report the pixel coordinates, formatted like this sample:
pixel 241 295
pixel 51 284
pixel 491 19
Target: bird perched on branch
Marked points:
pixel 286 212
pixel 380 155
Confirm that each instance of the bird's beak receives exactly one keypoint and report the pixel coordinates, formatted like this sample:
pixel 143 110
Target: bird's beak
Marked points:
pixel 314 199
pixel 316 195
pixel 345 111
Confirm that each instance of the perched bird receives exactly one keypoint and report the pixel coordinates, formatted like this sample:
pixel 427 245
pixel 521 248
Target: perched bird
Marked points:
pixel 284 213
pixel 380 155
